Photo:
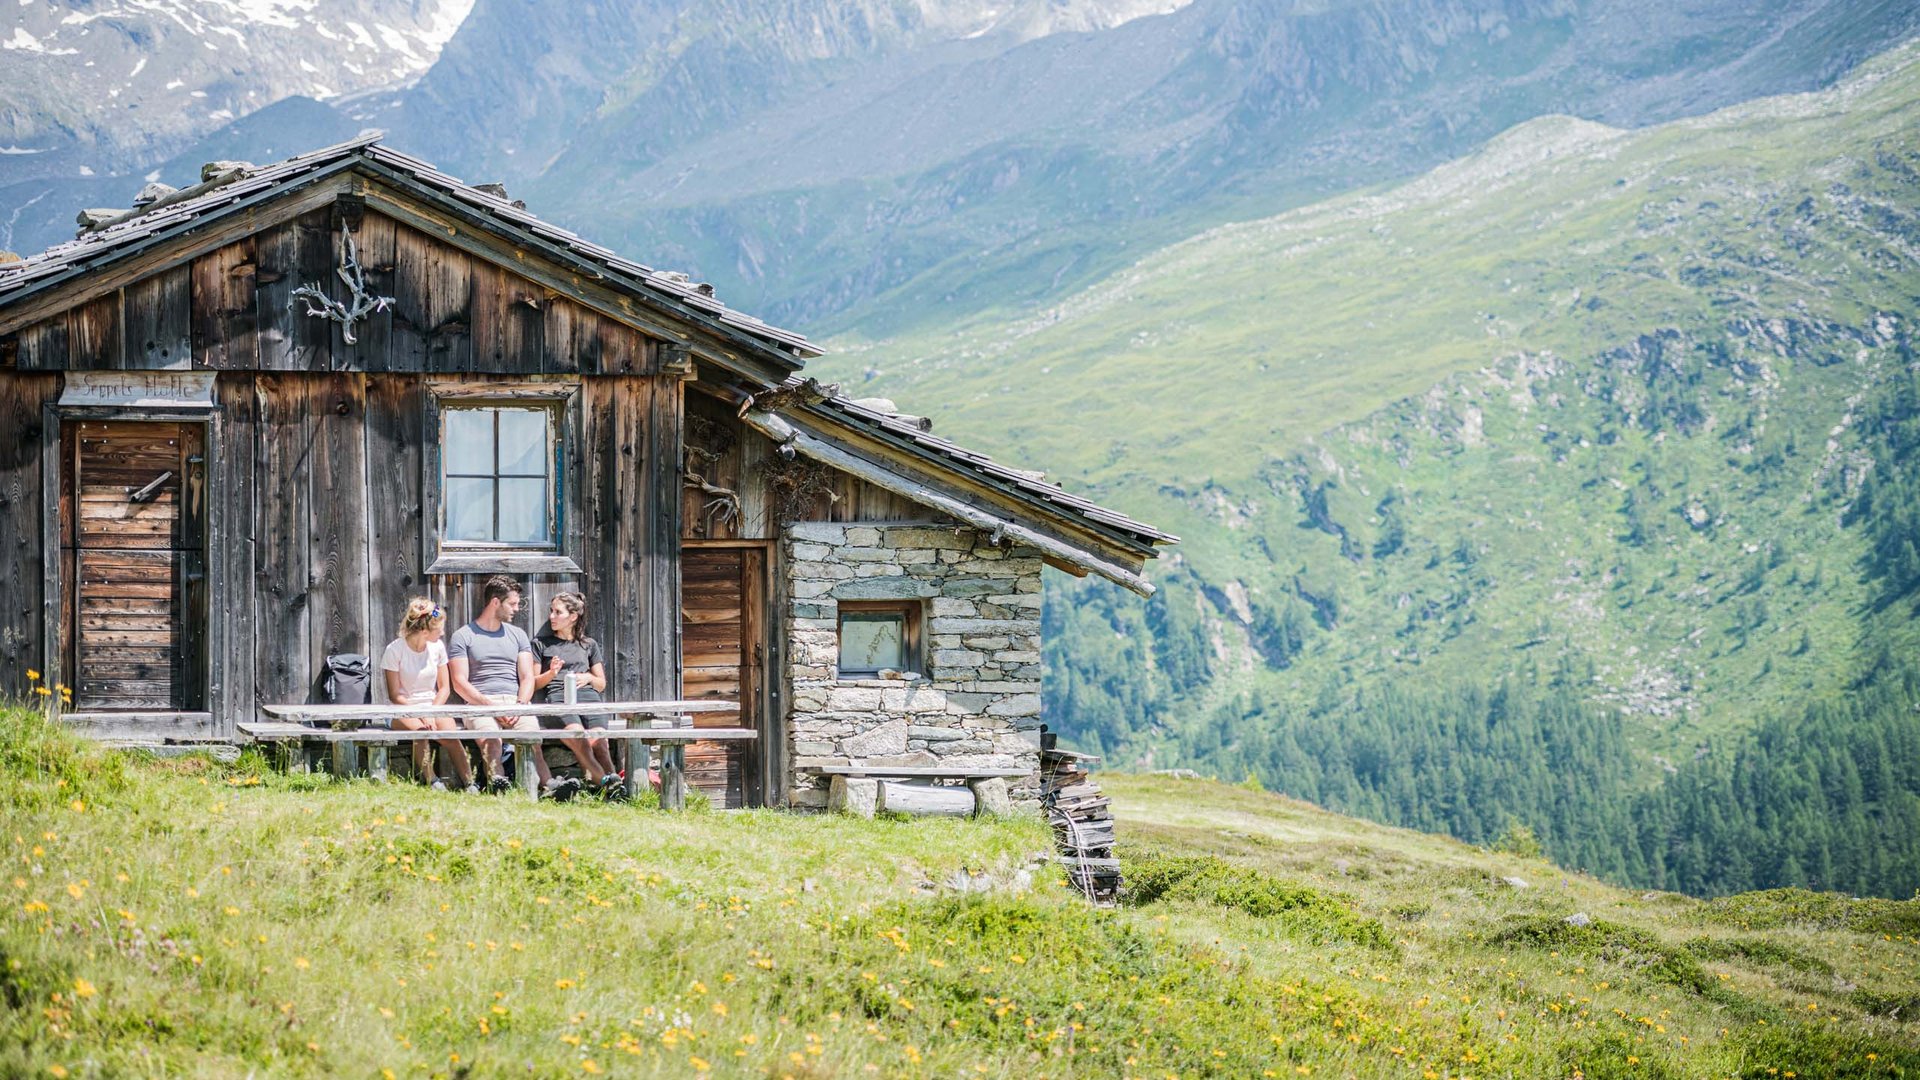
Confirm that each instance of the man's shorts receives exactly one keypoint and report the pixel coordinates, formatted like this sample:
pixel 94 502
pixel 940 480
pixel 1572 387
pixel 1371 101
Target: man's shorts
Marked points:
pixel 497 723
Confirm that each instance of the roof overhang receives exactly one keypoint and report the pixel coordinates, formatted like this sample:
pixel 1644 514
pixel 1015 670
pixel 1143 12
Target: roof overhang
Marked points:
pixel 1065 539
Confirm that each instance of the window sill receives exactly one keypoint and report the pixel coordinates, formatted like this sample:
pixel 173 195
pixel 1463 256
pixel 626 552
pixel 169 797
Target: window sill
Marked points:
pixel 503 563
pixel 869 680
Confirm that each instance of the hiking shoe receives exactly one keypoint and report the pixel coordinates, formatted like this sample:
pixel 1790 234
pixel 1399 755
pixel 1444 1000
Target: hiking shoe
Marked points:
pixel 499 785
pixel 437 785
pixel 471 789
pixel 562 788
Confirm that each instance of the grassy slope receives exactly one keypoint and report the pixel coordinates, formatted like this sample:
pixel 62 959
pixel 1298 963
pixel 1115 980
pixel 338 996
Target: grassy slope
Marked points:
pixel 181 917
pixel 1348 342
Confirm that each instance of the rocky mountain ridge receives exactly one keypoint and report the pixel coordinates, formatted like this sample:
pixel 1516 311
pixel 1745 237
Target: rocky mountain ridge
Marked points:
pixel 841 163
pixel 117 86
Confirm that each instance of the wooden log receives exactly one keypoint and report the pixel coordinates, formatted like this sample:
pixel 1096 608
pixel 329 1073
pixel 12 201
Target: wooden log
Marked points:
pixel 903 797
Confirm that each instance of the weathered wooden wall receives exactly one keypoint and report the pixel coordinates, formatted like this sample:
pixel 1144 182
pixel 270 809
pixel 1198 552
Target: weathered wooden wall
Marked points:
pixel 742 458
pixel 326 528
pixel 316 522
pixel 23 509
pixel 233 309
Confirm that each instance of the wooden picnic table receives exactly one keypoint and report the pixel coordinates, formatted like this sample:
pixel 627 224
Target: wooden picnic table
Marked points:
pixel 288 728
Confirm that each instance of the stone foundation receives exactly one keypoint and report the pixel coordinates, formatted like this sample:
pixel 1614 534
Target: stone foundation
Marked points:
pixel 977 700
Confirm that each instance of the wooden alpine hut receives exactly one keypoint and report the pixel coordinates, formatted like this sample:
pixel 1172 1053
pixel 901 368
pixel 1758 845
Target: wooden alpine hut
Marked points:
pixel 240 424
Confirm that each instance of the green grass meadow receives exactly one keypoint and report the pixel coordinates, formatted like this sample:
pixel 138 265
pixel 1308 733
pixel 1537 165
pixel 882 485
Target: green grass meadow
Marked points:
pixel 182 917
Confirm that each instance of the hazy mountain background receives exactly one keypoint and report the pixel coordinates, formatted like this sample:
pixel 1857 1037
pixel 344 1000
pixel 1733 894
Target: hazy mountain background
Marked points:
pixel 1532 382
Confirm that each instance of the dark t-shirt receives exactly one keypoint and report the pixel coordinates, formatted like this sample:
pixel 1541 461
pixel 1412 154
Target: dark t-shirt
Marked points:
pixel 577 656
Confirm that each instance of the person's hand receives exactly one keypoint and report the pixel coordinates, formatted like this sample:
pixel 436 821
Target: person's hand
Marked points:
pixel 555 664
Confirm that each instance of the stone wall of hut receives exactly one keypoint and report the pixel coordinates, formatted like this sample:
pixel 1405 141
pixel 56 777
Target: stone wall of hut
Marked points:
pixel 977 701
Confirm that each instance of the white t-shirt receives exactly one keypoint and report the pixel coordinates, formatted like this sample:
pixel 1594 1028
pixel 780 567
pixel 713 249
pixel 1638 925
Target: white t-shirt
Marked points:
pixel 419 671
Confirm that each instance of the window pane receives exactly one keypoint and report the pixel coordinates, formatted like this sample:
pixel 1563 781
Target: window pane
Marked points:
pixel 523 442
pixel 469 508
pixel 523 511
pixel 869 642
pixel 469 447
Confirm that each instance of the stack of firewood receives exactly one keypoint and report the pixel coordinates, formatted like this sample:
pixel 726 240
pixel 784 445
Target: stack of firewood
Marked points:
pixel 1082 821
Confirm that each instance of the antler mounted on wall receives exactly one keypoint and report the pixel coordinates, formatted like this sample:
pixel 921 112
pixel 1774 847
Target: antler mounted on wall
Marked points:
pixel 359 305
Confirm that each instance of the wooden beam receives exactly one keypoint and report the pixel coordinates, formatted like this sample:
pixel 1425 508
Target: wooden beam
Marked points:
pixel 142 725
pixel 780 431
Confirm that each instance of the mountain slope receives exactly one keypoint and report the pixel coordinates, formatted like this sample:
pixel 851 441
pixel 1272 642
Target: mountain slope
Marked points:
pixel 181 916
pixel 1566 440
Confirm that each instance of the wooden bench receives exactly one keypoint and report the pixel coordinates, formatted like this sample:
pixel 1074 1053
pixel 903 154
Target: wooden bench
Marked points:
pixel 865 790
pixel 288 731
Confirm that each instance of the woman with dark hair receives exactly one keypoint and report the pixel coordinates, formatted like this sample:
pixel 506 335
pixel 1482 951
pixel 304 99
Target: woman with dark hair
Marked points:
pixel 562 648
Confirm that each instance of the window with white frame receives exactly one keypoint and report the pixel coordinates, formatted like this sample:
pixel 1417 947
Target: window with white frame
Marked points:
pixel 498 484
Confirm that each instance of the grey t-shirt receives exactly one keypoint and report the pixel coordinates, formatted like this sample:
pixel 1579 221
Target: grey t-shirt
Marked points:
pixel 493 657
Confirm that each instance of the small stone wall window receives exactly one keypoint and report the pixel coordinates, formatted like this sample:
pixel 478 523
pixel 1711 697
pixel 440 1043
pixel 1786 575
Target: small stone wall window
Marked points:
pixel 877 636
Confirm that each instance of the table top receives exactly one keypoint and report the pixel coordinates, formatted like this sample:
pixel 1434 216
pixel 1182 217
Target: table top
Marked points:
pixel 272 730
pixel 328 713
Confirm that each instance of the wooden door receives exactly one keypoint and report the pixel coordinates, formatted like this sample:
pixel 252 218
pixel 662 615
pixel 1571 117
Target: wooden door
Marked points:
pixel 132 528
pixel 722 657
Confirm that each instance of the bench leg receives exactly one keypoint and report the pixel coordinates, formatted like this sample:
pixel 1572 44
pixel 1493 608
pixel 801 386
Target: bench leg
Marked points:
pixel 346 760
pixel 377 761
pixel 673 776
pixel 293 756
pixel 638 758
pixel 856 795
pixel 990 798
pixel 523 771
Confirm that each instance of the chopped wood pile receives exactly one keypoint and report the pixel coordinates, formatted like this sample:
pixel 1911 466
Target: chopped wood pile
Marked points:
pixel 1082 821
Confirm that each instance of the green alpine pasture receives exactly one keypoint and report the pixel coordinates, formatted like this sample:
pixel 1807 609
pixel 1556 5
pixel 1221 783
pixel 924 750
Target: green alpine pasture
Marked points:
pixel 182 917
pixel 1572 472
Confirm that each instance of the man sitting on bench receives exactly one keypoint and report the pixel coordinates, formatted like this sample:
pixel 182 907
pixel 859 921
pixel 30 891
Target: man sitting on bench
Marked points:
pixel 491 662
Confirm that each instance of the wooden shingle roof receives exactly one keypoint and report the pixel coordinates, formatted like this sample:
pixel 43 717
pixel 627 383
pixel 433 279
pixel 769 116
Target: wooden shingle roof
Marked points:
pixel 139 230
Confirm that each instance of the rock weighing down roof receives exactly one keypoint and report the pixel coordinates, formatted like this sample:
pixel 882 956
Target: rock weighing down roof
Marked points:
pixel 231 187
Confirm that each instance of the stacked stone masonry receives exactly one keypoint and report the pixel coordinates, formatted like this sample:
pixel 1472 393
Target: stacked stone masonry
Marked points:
pixel 977 701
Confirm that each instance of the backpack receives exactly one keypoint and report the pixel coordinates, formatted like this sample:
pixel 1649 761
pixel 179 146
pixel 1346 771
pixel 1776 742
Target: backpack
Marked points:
pixel 348 681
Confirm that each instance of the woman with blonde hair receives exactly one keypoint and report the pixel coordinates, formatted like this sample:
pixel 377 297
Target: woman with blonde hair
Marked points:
pixel 563 648
pixel 415 670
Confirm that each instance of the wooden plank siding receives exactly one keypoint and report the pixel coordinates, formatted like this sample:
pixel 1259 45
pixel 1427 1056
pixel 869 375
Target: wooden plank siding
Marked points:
pixel 711 424
pixel 23 508
pixel 312 494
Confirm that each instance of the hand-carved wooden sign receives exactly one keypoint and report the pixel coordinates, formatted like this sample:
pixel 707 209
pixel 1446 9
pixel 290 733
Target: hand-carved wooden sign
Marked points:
pixel 360 304
pixel 139 389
